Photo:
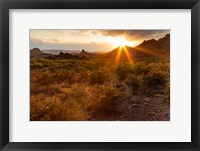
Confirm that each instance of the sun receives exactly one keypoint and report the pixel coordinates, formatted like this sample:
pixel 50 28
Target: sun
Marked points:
pixel 119 41
pixel 122 43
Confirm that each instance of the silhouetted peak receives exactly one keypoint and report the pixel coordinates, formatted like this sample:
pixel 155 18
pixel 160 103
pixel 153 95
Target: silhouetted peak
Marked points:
pixel 167 36
pixel 64 54
pixel 160 44
pixel 83 52
pixel 61 53
pixel 36 51
pixel 149 41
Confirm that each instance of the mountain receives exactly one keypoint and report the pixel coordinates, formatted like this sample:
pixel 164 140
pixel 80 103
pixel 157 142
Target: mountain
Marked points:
pixel 62 56
pixel 57 51
pixel 85 54
pixel 36 53
pixel 162 44
pixel 148 48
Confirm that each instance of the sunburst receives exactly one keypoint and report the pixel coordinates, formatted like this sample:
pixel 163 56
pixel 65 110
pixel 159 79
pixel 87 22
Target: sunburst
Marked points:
pixel 127 53
pixel 120 41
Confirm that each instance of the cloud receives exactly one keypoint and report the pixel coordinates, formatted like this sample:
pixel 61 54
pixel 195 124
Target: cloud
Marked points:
pixel 133 34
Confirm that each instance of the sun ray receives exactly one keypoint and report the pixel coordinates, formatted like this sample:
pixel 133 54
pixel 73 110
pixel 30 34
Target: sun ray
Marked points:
pixel 130 59
pixel 155 53
pixel 118 56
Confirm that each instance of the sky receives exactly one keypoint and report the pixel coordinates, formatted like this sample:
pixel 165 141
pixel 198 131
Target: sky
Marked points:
pixel 90 40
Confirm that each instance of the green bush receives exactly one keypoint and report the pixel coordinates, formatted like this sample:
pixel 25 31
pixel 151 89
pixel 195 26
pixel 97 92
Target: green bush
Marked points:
pixel 133 82
pixel 111 94
pixel 141 68
pixel 154 79
pixel 99 77
pixel 108 105
pixel 123 70
pixel 37 65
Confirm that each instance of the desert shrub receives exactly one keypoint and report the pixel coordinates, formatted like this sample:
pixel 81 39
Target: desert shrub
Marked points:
pixel 78 92
pixel 141 68
pixel 62 96
pixel 37 89
pixel 91 65
pixel 39 108
pixel 44 77
pixel 99 77
pixel 161 67
pixel 33 76
pixel 60 75
pixel 83 76
pixel 37 65
pixel 64 74
pixel 154 79
pixel 53 109
pixel 107 106
pixel 165 68
pixel 167 92
pixel 123 70
pixel 111 94
pixel 76 111
pixel 52 90
pixel 133 82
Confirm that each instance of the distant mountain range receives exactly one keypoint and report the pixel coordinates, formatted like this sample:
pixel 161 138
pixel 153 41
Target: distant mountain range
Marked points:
pixel 62 56
pixel 56 52
pixel 148 48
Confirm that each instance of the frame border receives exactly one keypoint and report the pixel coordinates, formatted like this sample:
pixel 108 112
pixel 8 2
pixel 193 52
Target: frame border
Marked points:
pixel 5 5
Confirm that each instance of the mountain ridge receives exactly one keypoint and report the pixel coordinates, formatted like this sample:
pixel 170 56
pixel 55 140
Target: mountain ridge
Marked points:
pixel 162 44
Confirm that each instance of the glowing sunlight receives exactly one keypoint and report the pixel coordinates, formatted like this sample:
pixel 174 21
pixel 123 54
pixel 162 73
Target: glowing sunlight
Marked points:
pixel 120 41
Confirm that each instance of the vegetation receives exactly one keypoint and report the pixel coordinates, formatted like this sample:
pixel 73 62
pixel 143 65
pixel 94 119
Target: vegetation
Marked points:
pixel 95 89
